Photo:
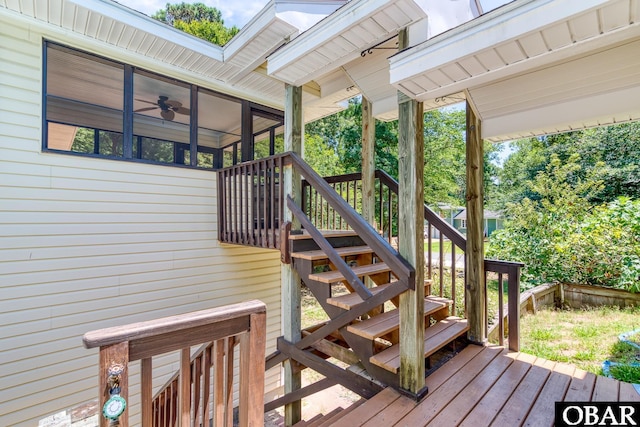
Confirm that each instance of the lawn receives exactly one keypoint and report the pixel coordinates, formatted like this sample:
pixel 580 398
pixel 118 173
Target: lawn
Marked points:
pixel 584 338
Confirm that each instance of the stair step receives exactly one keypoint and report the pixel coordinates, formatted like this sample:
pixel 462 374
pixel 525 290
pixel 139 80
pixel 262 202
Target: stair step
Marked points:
pixel 326 417
pixel 349 301
pixel 335 276
pixel 319 254
pixel 435 337
pixel 389 321
pixel 325 233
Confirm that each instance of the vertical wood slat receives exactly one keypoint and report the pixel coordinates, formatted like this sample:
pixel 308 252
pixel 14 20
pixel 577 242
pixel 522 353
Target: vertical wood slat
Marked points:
pixel 454 274
pixel 228 379
pixel 196 381
pixel 184 397
pixel 253 198
pixel 218 382
pixel 146 397
pixel 109 355
pixel 206 385
pixel 500 309
pixel 252 352
pixel 265 204
pixel 273 201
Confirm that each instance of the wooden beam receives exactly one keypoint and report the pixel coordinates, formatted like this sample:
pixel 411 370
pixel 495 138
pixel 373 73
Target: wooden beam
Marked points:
pixel 410 236
pixel 475 287
pixel 291 295
pixel 368 163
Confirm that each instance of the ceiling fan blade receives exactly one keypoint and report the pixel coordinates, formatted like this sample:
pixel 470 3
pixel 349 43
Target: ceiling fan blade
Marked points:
pixel 181 110
pixel 147 102
pixel 173 104
pixel 167 114
pixel 145 109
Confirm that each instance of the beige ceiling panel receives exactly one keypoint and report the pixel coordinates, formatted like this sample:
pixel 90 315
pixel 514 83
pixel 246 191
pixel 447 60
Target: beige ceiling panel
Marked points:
pixel 410 88
pixel 616 14
pixel 93 25
pixel 533 44
pixel 385 21
pixel 634 14
pixel 511 52
pixel 398 15
pixel 27 7
pixel 145 44
pixel 557 36
pixel 117 28
pixel 455 72
pixel 472 66
pixel 157 48
pixel 358 36
pixel 585 26
pixel 425 82
pixel 490 59
pixel 129 38
pixel 55 12
pixel 373 28
pixel 440 78
pixel 80 19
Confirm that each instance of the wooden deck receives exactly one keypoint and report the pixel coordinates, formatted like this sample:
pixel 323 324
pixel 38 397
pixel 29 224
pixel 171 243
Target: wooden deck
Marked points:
pixel 487 386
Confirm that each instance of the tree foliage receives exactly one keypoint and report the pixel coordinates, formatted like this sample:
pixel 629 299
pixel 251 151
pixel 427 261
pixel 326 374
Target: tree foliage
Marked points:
pixel 612 154
pixel 199 20
pixel 562 237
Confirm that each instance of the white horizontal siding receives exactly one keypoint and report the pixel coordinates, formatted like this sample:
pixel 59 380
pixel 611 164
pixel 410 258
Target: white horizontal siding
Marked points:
pixel 89 243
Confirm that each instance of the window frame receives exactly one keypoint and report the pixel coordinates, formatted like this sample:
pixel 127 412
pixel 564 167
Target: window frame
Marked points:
pixel 129 139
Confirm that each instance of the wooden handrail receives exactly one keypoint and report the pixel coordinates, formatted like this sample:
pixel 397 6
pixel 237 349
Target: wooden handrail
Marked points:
pixel 512 270
pixel 400 267
pixel 501 268
pixel 121 345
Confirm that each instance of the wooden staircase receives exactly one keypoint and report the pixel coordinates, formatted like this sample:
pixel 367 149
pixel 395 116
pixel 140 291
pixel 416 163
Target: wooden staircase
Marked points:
pixel 374 336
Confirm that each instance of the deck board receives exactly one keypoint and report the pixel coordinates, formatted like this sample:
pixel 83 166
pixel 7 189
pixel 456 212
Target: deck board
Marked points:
pixel 489 386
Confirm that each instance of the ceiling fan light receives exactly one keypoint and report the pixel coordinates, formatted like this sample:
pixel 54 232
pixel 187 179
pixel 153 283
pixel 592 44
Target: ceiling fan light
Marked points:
pixel 167 114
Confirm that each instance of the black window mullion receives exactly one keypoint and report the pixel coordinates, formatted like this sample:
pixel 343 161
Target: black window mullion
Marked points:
pixel 193 155
pixel 96 141
pixel 127 131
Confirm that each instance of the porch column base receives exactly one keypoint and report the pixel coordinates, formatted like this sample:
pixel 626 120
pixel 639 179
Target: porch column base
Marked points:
pixel 421 394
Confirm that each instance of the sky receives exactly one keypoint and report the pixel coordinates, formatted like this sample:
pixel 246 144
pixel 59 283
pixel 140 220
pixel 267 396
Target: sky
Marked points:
pixel 234 12
pixel 237 12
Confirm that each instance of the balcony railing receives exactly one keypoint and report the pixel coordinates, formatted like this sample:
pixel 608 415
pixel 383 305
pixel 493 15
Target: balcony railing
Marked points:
pixel 186 399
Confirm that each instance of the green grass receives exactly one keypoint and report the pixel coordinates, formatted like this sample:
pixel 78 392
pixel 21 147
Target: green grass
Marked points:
pixel 435 246
pixel 584 338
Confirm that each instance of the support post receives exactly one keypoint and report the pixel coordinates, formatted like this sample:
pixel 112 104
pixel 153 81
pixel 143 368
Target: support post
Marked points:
pixel 368 163
pixel 293 141
pixel 476 292
pixel 410 236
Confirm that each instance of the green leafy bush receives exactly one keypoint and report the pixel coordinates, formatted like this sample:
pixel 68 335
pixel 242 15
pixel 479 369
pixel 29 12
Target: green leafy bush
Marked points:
pixel 562 238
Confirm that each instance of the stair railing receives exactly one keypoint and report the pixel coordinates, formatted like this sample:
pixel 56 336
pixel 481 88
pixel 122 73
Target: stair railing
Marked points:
pixel 349 186
pixel 186 399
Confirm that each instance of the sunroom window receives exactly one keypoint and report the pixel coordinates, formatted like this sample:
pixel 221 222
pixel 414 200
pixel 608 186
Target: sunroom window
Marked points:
pixel 84 99
pixel 98 107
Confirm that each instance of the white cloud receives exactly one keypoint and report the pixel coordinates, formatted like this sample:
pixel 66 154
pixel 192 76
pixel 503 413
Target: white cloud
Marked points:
pixel 234 12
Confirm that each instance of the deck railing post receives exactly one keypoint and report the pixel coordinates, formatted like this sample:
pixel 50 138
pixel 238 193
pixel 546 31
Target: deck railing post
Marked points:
pixel 514 308
pixel 114 356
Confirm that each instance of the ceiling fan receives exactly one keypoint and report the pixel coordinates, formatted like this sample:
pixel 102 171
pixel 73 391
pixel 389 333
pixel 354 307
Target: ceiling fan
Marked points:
pixel 168 108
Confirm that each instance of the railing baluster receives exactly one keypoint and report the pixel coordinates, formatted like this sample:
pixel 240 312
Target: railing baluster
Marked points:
pixel 441 263
pixel 273 229
pixel 454 273
pixel 500 310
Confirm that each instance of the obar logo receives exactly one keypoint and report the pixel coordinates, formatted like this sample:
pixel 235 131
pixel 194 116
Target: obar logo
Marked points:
pixel 597 414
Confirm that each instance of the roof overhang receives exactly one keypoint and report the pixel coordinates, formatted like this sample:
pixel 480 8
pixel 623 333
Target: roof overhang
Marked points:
pixel 340 38
pixel 533 67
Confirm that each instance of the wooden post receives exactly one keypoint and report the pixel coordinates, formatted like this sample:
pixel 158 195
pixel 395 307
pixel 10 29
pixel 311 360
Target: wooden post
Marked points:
pixel 368 163
pixel 410 236
pixel 146 394
pixel 476 292
pixel 252 349
pixel 184 396
pixel 293 141
pixel 115 354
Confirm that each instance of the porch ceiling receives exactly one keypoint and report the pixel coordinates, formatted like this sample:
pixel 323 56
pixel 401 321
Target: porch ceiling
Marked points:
pixel 340 38
pixel 534 67
pixel 231 69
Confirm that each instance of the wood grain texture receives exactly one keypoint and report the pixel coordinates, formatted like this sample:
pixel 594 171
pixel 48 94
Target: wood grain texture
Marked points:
pixel 114 354
pixel 410 233
pixel 475 287
pixel 368 162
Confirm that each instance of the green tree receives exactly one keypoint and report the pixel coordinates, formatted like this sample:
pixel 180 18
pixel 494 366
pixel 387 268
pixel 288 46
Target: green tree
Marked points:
pixel 199 20
pixel 611 153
